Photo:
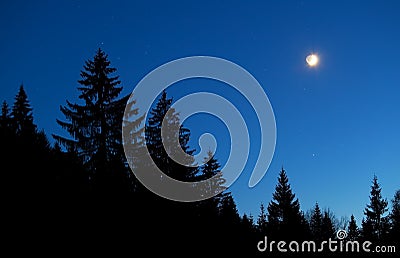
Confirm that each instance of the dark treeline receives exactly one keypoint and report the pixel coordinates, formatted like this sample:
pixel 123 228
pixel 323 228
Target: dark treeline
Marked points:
pixel 80 195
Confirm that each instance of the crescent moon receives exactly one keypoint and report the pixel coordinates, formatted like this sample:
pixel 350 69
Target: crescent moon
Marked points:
pixel 312 60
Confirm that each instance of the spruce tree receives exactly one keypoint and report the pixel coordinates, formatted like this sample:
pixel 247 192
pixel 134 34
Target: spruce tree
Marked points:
pixel 228 210
pixel 28 152
pixel 352 231
pixel 247 225
pixel 262 220
pixel 31 141
pixel 7 132
pixel 327 228
pixel 212 169
pixel 8 154
pixel 22 116
pixel 285 220
pixel 5 118
pixel 209 208
pixel 376 223
pixel 316 223
pixel 156 144
pixel 247 222
pixel 367 230
pixel 95 125
pixel 395 217
pixel 171 216
pixel 134 142
pixel 25 131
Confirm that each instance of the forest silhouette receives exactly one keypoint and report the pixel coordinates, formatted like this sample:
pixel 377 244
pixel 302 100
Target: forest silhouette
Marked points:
pixel 80 195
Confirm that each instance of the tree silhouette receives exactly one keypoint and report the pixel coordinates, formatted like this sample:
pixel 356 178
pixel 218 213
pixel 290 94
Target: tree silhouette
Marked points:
pixel 8 153
pixel 230 221
pixel 375 224
pixel 262 220
pixel 247 223
pixel 26 157
pixel 353 232
pixel 134 141
pixel 22 115
pixel 228 210
pixel 209 208
pixel 316 223
pixel 285 220
pixel 176 137
pixel 95 126
pixel 212 169
pixel 327 228
pixel 7 133
pixel 395 217
pixel 5 117
pixel 248 235
pixel 164 138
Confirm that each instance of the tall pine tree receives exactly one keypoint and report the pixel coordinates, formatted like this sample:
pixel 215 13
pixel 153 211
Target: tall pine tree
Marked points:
pixel 247 224
pixel 134 142
pixel 352 230
pixel 95 125
pixel 5 118
pixel 27 144
pixel 209 208
pixel 22 116
pixel 285 220
pixel 169 216
pixel 212 169
pixel 8 152
pixel 375 225
pixel 162 147
pixel 395 217
pixel 262 220
pixel 328 230
pixel 7 132
pixel 316 223
pixel 228 211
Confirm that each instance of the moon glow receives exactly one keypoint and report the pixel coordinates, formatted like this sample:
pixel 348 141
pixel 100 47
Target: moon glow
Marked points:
pixel 312 60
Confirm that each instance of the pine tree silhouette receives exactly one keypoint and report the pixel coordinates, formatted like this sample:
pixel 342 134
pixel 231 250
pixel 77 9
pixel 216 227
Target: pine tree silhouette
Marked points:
pixel 208 209
pixel 176 137
pixel 31 145
pixel 327 228
pixel 316 224
pixel 164 138
pixel 376 224
pixel 95 126
pixel 22 115
pixel 7 133
pixel 247 223
pixel 262 220
pixel 353 232
pixel 134 142
pixel 10 181
pixel 228 209
pixel 212 169
pixel 29 179
pixel 230 222
pixel 395 217
pixel 285 219
pixel 5 117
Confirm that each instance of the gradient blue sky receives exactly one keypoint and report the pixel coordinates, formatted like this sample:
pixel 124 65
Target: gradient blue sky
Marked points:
pixel 337 125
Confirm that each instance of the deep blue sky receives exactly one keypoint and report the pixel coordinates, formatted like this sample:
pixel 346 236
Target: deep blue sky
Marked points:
pixel 337 125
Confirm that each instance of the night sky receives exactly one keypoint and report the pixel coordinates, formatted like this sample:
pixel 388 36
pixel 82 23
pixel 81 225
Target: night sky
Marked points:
pixel 337 123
